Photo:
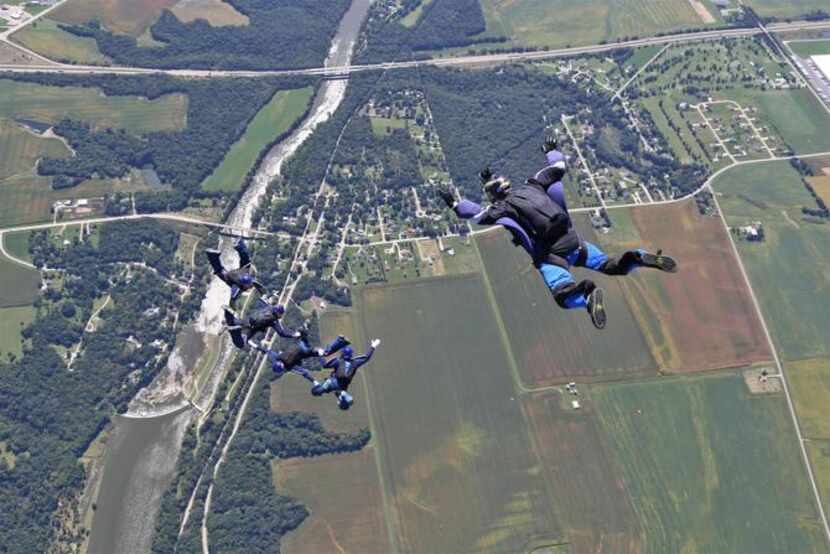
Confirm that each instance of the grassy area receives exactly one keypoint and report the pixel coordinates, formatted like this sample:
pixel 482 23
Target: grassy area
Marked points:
pixel 52 104
pixel 215 12
pixel 810 383
pixel 786 8
pixel 12 321
pixel 706 302
pixel 382 126
pixel 709 468
pixel 19 284
pixel 30 199
pixel 21 149
pixel 790 268
pixel 456 458
pixel 553 345
pixel 412 17
pixel 274 119
pixel 564 22
pixel 17 244
pixel 798 117
pixel 808 48
pixel 129 17
pixel 45 37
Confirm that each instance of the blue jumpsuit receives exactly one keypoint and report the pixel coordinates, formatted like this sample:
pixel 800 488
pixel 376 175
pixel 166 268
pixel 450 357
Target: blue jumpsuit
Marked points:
pixel 343 371
pixel 557 277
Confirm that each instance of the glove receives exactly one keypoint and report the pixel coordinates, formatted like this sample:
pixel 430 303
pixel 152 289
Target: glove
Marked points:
pixel 485 175
pixel 297 334
pixel 550 144
pixel 447 197
pixel 320 352
pixel 375 343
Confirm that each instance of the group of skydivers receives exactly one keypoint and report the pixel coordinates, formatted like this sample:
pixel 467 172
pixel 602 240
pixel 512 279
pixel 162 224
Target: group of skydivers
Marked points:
pixel 536 215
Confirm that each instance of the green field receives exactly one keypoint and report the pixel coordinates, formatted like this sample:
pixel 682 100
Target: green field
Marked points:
pixel 381 126
pixel 786 8
pixel 17 244
pixel 710 468
pixel 798 117
pixel 553 345
pixel 11 322
pixel 52 104
pixel 456 458
pixel 810 383
pixel 560 23
pixel 20 149
pixel 19 284
pixel 790 269
pixel 47 39
pixel 269 123
pixel 30 199
pixel 808 48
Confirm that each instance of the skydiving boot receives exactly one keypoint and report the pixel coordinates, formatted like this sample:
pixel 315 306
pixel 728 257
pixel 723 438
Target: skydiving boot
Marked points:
pixel 596 307
pixel 658 261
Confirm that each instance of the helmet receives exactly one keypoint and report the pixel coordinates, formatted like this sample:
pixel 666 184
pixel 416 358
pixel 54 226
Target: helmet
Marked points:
pixel 246 280
pixel 497 188
pixel 347 352
pixel 278 310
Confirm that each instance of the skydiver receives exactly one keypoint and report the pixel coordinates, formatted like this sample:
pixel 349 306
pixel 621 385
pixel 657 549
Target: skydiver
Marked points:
pixel 343 371
pixel 536 214
pixel 240 280
pixel 291 359
pixel 250 329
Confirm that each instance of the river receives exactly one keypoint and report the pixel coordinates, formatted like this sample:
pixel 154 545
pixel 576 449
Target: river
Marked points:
pixel 141 455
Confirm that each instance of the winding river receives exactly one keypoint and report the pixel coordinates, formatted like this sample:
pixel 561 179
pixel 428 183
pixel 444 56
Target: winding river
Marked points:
pixel 144 446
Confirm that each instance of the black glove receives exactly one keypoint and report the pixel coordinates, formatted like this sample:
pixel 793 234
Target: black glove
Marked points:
pixel 447 197
pixel 550 144
pixel 486 175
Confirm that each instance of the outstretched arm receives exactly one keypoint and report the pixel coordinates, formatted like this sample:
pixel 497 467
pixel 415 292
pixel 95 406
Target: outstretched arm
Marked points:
pixel 467 209
pixel 261 289
pixel 360 360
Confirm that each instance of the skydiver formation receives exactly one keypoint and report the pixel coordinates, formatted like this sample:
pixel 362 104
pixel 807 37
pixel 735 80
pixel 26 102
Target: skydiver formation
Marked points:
pixel 250 330
pixel 536 214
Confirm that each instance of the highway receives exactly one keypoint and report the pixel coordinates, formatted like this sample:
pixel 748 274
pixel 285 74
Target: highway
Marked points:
pixel 341 71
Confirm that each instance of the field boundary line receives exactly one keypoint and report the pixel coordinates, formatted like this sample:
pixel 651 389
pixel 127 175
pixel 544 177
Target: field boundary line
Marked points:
pixel 639 71
pixel 780 367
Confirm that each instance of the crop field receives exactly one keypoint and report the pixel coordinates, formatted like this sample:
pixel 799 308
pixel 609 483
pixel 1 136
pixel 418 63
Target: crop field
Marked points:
pixel 344 497
pixel 564 22
pixel 822 187
pixel 705 303
pixel 789 269
pixel 553 345
pixel 21 149
pixel 798 117
pixel 128 17
pixel 12 321
pixel 456 458
pixel 19 284
pixel 215 12
pixel 52 104
pixel 810 383
pixel 45 37
pixel 808 48
pixel 709 468
pixel 274 119
pixel 583 475
pixel 786 8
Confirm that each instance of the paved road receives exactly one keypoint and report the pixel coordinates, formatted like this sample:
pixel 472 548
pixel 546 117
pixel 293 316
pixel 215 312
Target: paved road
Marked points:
pixel 483 59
